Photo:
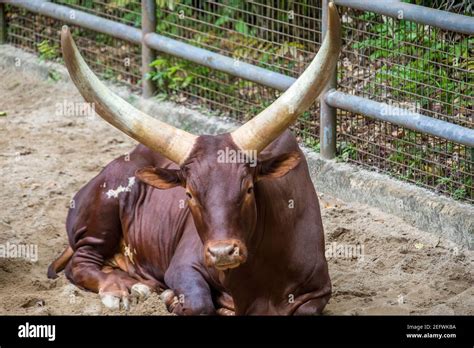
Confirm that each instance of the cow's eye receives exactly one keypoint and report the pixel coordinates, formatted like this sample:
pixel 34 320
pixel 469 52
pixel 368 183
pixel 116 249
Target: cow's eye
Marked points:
pixel 250 190
pixel 189 195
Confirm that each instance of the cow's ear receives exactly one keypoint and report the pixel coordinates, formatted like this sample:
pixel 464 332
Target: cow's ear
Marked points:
pixel 277 166
pixel 160 178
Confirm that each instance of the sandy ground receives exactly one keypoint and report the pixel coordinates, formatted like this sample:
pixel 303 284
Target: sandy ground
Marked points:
pixel 46 157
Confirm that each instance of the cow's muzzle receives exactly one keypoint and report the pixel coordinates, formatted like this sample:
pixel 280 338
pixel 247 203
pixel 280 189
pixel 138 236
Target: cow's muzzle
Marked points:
pixel 225 254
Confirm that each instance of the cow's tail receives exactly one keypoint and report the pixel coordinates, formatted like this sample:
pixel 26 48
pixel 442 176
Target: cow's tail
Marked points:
pixel 60 263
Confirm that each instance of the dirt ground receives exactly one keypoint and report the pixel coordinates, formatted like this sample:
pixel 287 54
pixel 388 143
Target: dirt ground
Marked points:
pixel 46 157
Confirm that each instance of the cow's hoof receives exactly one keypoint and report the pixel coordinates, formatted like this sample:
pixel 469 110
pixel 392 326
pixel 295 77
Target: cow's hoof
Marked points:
pixel 225 312
pixel 114 302
pixel 110 301
pixel 167 296
pixel 170 299
pixel 140 291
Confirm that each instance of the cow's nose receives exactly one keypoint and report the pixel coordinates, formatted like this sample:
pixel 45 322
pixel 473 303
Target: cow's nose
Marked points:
pixel 224 254
pixel 219 251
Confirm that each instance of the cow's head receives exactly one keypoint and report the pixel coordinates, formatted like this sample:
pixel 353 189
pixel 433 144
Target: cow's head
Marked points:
pixel 218 172
pixel 219 180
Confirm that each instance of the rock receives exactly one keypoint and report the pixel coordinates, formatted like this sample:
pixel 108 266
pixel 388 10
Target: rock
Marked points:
pixel 34 302
pixel 339 231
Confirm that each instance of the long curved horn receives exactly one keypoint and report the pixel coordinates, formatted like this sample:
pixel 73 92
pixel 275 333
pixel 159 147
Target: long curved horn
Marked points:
pixel 171 142
pixel 260 131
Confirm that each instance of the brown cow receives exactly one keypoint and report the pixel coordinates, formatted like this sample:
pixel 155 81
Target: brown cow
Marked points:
pixel 220 233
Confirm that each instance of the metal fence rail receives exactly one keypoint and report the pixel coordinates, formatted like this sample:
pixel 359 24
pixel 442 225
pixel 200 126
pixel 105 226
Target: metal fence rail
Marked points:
pixel 249 51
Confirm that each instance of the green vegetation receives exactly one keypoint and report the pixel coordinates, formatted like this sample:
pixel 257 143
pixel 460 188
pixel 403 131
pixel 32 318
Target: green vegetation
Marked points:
pixel 170 76
pixel 424 68
pixel 54 75
pixel 312 142
pixel 347 151
pixel 238 29
pixel 432 73
pixel 465 7
pixel 48 51
pixel 426 161
pixel 128 11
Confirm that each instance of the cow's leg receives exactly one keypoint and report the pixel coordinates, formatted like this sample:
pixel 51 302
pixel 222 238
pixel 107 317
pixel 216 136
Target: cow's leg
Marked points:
pixel 190 293
pixel 314 306
pixel 224 301
pixel 225 304
pixel 129 288
pixel 114 286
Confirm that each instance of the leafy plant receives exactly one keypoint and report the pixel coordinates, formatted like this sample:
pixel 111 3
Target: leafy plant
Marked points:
pixel 169 76
pixel 460 193
pixel 312 143
pixel 47 51
pixel 54 75
pixel 346 152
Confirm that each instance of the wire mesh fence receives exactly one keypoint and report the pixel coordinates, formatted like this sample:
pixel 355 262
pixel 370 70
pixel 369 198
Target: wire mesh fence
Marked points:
pixel 282 39
pixel 109 57
pixel 420 68
pixel 396 62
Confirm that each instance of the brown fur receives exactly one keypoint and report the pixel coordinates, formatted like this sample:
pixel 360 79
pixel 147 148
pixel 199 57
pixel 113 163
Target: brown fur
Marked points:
pixel 169 220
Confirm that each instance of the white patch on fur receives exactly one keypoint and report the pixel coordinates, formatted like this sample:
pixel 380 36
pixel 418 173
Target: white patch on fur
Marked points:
pixel 127 252
pixel 115 193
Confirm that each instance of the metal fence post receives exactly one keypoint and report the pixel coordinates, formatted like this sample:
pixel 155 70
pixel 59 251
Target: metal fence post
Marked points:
pixel 328 117
pixel 3 25
pixel 148 54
